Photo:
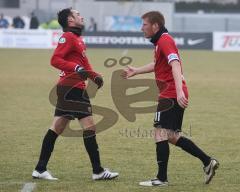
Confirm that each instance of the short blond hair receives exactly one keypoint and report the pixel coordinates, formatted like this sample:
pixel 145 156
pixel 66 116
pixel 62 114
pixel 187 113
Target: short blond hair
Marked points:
pixel 154 17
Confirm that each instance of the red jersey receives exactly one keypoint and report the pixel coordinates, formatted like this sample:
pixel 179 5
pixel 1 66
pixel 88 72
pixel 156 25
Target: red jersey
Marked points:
pixel 165 52
pixel 69 54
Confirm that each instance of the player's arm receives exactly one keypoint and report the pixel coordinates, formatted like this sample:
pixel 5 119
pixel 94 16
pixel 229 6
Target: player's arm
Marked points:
pixel 65 45
pixel 94 76
pixel 168 47
pixel 132 71
pixel 177 75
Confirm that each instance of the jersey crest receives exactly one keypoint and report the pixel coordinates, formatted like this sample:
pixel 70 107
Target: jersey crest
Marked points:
pixel 62 40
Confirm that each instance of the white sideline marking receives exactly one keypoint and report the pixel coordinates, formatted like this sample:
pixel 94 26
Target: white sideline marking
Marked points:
pixel 28 187
pixel 124 52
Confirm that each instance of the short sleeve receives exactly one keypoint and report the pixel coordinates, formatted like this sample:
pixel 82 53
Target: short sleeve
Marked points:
pixel 169 48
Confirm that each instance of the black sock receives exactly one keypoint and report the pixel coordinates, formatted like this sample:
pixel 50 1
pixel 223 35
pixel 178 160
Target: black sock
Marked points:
pixel 162 151
pixel 89 138
pixel 188 146
pixel 47 148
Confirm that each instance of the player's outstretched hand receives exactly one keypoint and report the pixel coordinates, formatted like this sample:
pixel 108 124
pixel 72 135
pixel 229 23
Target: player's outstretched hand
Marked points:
pixel 129 72
pixel 99 81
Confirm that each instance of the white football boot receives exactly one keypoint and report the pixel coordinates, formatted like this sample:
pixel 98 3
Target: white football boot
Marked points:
pixel 105 175
pixel 45 175
pixel 210 170
pixel 154 182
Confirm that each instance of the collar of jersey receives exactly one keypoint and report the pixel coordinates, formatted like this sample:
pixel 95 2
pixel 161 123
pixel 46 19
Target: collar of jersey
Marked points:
pixel 155 38
pixel 77 31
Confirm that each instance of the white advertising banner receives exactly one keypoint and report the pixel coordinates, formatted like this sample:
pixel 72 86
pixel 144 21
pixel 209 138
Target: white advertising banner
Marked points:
pixel 48 39
pixel 226 41
pixel 39 39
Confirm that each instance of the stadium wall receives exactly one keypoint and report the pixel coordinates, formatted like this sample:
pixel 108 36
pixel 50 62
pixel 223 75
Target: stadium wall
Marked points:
pixel 48 39
pixel 176 22
pixel 204 22
pixel 102 10
pixel 47 9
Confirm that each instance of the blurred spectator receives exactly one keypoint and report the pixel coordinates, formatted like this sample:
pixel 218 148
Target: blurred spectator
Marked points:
pixel 3 22
pixel 18 23
pixel 34 22
pixel 93 25
pixel 52 24
pixel 26 20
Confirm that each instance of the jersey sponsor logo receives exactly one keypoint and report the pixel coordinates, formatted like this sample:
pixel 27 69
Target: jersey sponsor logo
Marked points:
pixel 62 40
pixel 195 41
pixel 172 56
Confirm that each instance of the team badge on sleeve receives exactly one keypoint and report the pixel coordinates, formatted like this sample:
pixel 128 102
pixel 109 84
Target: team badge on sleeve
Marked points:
pixel 172 56
pixel 62 40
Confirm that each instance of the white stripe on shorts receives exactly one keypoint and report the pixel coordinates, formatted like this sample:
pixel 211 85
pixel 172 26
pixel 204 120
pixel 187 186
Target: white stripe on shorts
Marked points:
pixel 157 116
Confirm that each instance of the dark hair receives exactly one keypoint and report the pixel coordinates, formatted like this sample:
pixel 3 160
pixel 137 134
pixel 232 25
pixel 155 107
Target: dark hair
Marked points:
pixel 63 17
pixel 155 17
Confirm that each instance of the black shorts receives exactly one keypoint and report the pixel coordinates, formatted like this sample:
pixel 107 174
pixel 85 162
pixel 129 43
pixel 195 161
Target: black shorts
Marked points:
pixel 169 115
pixel 72 103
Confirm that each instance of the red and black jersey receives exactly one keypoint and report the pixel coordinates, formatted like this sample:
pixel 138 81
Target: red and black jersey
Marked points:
pixel 69 54
pixel 165 52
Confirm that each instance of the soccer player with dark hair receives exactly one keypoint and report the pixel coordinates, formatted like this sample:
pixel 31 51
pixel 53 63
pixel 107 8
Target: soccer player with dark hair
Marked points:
pixel 173 99
pixel 73 101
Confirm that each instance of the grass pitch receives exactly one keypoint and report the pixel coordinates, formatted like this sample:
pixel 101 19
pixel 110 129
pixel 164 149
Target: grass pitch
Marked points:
pixel 212 121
